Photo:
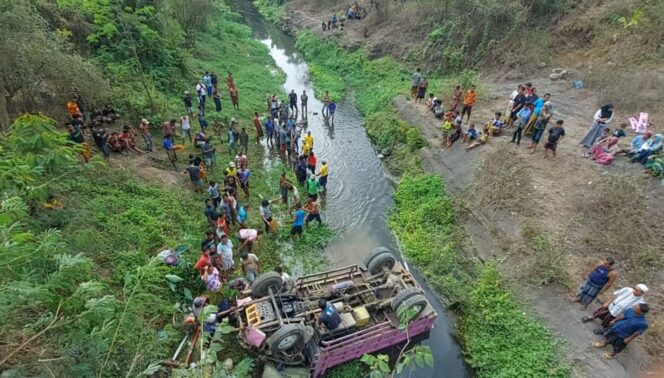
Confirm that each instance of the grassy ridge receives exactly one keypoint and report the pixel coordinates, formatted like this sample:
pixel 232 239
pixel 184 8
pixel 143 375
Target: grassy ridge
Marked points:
pixel 499 339
pixel 94 259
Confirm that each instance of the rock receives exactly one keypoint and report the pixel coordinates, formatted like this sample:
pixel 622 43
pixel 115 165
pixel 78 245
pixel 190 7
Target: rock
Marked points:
pixel 541 65
pixel 555 76
pixel 557 70
pixel 513 75
pixel 381 156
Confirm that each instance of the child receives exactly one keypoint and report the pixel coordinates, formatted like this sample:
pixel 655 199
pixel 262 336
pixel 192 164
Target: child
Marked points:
pixel 483 139
pixel 496 124
pixel 447 131
pixel 556 134
pixel 471 134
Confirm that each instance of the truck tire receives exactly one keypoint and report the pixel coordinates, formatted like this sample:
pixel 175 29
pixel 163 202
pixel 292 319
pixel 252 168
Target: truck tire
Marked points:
pixel 403 295
pixel 286 338
pixel 263 283
pixel 378 259
pixel 416 303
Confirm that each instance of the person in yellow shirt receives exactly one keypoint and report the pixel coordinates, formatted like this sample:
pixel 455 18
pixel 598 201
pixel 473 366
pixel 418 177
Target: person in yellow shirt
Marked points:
pixel 322 173
pixel 309 139
pixel 306 149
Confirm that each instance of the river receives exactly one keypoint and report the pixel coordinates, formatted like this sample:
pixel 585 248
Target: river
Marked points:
pixel 359 192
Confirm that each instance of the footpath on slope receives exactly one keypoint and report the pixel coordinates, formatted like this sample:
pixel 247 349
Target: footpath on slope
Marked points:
pixel 545 196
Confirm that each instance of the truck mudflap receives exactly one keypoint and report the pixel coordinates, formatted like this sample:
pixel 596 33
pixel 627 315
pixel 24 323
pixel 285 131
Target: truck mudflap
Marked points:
pixel 372 339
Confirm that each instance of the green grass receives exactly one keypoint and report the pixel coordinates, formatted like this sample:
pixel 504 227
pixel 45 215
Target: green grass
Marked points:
pixel 95 257
pixel 499 339
pixel 271 10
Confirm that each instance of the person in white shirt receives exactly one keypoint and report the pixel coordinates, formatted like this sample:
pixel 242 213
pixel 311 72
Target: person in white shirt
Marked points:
pixel 186 128
pixel 622 300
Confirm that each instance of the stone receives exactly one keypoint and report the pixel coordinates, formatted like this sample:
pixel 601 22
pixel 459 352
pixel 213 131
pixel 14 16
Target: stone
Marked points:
pixel 555 76
pixel 541 65
pixel 557 70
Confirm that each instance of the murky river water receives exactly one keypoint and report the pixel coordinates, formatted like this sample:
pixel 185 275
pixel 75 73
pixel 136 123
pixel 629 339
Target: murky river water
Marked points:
pixel 359 194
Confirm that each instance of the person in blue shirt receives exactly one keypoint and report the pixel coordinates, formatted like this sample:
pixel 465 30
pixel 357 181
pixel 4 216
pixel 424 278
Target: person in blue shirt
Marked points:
pixel 242 216
pixel 331 109
pixel 471 134
pixel 523 116
pixel 298 220
pixel 624 329
pixel 329 316
pixel 269 131
pixel 538 105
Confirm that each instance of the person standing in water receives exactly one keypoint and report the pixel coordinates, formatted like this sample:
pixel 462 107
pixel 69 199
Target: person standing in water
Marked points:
pixel 303 103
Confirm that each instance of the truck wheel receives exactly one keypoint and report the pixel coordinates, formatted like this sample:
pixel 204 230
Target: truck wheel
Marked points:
pixel 263 283
pixel 403 295
pixel 286 338
pixel 412 307
pixel 378 259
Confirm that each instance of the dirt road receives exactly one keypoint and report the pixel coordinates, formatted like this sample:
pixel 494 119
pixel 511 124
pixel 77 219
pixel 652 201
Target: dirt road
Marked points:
pixel 537 195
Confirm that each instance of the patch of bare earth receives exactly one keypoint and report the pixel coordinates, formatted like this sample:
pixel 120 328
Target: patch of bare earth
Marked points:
pixel 547 221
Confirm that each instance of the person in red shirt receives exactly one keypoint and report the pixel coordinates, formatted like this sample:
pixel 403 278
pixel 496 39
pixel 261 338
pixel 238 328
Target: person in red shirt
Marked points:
pixel 258 126
pixel 311 162
pixel 203 262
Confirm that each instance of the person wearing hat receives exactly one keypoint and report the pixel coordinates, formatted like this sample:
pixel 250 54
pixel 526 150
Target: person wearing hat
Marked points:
pixel 622 300
pixel 144 129
pixel 322 173
pixel 230 170
pixel 624 329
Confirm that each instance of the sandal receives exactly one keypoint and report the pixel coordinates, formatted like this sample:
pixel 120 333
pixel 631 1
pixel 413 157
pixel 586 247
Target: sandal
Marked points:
pixel 609 356
pixel 586 319
pixel 597 344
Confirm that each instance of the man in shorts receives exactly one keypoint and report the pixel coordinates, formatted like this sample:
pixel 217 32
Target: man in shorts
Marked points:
pixel 298 220
pixel 311 207
pixel 556 134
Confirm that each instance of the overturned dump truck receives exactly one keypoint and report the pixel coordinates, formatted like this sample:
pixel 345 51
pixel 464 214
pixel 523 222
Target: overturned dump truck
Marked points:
pixel 279 320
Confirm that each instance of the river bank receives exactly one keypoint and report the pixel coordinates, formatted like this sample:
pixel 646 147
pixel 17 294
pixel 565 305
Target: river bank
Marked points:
pixel 498 234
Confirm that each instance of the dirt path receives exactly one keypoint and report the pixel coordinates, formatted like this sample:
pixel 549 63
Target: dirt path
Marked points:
pixel 545 196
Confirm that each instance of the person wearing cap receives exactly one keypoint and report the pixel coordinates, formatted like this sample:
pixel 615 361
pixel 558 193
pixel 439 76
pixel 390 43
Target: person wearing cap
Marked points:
pixel 624 329
pixel 622 300
pixel 144 129
pixel 230 170
pixel 322 174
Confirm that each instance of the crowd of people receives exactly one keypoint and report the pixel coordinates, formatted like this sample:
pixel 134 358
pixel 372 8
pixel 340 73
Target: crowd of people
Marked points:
pixel 226 209
pixel 529 114
pixel 622 317
pixel 353 12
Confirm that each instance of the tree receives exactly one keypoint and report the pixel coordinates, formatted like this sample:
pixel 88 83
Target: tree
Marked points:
pixel 39 65
pixel 193 16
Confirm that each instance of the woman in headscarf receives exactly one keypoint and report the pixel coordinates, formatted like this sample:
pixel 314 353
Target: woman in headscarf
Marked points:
pixel 602 117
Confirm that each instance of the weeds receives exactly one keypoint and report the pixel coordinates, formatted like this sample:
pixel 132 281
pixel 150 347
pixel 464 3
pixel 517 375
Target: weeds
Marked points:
pixel 502 341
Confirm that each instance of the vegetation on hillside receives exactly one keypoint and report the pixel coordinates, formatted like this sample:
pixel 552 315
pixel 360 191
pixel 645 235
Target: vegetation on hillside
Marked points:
pixel 81 289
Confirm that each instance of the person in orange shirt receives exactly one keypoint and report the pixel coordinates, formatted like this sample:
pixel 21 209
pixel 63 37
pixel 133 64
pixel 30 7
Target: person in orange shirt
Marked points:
pixel 469 100
pixel 72 108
